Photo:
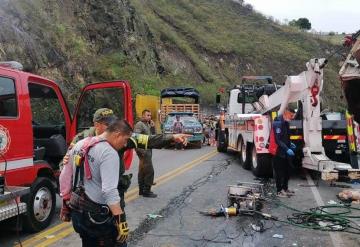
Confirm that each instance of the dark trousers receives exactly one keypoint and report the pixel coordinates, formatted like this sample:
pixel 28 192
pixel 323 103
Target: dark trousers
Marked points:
pixel 94 235
pixel 281 172
pixel 146 171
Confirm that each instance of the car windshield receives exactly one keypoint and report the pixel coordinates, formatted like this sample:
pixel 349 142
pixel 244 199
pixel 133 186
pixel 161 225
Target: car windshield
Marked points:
pixel 184 119
pixel 188 120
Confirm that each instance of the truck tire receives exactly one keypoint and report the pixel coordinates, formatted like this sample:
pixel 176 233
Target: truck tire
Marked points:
pixel 261 164
pixel 40 205
pixel 245 155
pixel 222 142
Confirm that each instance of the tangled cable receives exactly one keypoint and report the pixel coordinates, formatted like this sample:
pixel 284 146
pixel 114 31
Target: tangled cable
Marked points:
pixel 324 218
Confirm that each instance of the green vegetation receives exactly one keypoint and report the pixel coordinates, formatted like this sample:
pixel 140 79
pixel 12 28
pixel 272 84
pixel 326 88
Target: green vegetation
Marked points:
pixel 224 41
pixel 301 23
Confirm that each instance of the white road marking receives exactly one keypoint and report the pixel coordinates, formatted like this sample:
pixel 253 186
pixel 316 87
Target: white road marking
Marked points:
pixel 335 236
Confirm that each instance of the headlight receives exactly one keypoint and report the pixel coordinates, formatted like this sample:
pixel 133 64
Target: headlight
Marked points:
pixel 198 129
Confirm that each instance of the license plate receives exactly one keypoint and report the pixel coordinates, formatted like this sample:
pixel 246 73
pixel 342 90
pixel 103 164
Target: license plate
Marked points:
pixel 338 151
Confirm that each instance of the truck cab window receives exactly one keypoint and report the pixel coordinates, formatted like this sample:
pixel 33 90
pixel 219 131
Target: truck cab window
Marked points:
pixel 48 123
pixel 92 100
pixel 8 102
pixel 45 105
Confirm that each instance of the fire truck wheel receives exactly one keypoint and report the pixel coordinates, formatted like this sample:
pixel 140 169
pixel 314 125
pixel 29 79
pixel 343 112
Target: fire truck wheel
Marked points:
pixel 245 155
pixel 261 164
pixel 40 205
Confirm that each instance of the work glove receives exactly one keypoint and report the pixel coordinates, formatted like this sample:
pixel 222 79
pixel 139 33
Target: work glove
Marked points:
pixel 122 228
pixel 65 211
pixel 290 152
pixel 292 146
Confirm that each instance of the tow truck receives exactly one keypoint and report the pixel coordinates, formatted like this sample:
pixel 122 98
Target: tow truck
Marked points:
pixel 35 129
pixel 250 112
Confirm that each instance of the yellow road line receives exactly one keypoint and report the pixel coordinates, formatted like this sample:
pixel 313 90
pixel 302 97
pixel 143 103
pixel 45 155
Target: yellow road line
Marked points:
pixel 44 234
pixel 132 193
pixel 59 236
pixel 166 177
pixel 129 196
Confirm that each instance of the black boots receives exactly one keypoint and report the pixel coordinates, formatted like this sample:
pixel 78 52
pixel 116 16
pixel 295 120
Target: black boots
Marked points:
pixel 149 194
pixel 146 192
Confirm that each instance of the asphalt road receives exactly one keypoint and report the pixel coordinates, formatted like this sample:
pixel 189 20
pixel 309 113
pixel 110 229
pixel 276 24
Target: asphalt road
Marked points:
pixel 196 180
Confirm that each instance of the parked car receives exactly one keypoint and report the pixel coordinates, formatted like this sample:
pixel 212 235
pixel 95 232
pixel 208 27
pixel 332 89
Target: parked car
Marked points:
pixel 191 125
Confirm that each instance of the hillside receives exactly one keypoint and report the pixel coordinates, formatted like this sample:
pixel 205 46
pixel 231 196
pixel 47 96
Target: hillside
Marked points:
pixel 156 43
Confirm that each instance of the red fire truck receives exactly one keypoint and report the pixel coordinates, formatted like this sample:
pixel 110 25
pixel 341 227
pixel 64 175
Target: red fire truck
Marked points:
pixel 35 130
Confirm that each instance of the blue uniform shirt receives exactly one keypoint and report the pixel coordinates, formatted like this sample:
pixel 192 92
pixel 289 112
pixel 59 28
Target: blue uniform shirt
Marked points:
pixel 281 129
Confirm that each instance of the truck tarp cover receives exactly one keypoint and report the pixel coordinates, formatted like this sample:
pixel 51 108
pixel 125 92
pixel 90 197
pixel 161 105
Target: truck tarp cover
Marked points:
pixel 181 92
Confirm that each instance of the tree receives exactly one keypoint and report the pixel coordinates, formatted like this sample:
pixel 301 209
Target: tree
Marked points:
pixel 302 23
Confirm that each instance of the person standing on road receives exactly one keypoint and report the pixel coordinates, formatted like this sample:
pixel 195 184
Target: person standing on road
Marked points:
pixel 284 152
pixel 178 128
pixel 146 168
pixel 96 211
pixel 220 135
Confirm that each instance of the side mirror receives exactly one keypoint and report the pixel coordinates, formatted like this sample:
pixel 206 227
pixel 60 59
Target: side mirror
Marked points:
pixel 218 98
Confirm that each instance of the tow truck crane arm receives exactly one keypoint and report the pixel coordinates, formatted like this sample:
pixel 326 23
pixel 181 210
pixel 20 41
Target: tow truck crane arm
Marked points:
pixel 295 87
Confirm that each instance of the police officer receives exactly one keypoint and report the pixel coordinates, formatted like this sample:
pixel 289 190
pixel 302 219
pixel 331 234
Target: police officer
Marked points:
pixel 146 168
pixel 284 153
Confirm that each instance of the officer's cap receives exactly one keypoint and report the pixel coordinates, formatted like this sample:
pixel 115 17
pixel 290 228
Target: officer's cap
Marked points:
pixel 104 115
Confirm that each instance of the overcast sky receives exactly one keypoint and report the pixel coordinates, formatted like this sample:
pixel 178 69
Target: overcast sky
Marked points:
pixel 324 15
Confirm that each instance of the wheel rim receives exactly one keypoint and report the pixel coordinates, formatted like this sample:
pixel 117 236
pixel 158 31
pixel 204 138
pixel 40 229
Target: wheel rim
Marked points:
pixel 42 204
pixel 254 160
pixel 243 151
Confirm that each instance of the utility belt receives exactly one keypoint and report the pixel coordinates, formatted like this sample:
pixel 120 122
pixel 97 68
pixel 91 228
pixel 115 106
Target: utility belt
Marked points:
pixel 80 202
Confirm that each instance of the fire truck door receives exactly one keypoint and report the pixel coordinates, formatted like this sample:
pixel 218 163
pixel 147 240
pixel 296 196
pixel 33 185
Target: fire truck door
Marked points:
pixel 114 95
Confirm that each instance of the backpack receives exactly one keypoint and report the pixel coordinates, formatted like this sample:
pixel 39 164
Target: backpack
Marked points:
pixel 81 160
pixel 272 143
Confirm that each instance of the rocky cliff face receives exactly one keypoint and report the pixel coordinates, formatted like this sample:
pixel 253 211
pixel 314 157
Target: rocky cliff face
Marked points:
pixel 75 42
pixel 153 43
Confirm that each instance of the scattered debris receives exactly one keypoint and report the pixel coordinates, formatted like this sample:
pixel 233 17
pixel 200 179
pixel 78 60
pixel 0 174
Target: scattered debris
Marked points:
pixel 323 224
pixel 337 227
pixel 255 228
pixel 278 236
pixel 332 202
pixel 330 225
pixel 246 197
pixel 154 216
